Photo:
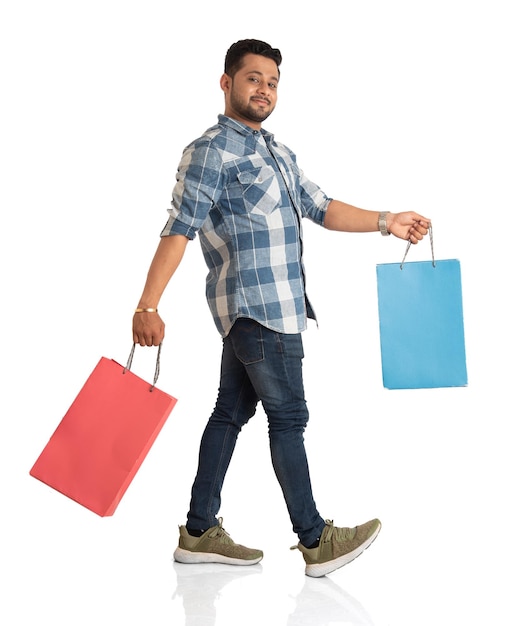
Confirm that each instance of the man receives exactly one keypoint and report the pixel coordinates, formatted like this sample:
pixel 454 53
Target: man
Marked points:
pixel 243 193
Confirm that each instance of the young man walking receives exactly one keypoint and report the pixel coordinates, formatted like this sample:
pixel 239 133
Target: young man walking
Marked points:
pixel 243 193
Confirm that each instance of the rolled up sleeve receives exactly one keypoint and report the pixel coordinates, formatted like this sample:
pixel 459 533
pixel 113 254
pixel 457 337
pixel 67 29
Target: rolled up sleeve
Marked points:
pixel 198 187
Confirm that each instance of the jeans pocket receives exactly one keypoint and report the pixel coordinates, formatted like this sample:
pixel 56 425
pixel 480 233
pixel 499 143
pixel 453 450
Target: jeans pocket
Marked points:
pixel 246 339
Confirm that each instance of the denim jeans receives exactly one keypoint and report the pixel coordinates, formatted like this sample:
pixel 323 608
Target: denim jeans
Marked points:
pixel 258 364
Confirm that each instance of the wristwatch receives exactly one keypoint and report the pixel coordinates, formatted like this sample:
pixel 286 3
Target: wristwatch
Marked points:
pixel 382 223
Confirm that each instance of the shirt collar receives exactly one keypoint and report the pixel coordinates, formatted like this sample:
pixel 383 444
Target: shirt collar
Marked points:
pixel 243 128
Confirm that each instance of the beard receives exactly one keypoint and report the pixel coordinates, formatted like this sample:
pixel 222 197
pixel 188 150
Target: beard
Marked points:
pixel 250 111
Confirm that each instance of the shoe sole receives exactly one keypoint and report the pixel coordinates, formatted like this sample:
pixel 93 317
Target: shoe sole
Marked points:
pixel 186 556
pixel 317 570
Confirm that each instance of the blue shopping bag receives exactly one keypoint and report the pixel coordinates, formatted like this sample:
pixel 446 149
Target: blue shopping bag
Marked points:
pixel 421 324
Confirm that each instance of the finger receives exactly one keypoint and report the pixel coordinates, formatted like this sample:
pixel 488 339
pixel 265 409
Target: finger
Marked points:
pixel 418 227
pixel 418 232
pixel 142 340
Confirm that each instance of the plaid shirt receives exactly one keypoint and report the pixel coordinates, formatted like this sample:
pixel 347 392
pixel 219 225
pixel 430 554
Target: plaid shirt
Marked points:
pixel 245 196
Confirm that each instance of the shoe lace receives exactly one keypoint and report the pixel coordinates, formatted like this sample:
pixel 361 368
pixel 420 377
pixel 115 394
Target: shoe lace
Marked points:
pixel 334 533
pixel 220 533
pixel 337 534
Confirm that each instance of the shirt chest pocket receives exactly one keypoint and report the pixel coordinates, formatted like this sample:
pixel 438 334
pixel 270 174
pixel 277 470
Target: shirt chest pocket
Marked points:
pixel 261 193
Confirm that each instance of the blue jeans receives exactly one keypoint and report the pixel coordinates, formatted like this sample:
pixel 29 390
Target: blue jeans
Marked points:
pixel 258 364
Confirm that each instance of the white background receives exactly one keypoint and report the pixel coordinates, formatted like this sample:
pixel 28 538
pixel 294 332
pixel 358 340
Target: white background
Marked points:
pixel 390 106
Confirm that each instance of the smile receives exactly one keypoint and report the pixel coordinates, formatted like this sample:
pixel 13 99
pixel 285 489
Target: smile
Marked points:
pixel 261 100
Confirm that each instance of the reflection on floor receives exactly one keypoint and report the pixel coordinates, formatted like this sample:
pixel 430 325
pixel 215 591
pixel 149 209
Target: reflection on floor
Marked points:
pixel 320 601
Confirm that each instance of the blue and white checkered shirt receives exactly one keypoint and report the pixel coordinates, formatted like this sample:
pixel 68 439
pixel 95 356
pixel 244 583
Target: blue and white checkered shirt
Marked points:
pixel 245 196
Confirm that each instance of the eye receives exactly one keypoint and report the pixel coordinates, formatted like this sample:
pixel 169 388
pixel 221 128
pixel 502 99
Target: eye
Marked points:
pixel 272 85
pixel 254 79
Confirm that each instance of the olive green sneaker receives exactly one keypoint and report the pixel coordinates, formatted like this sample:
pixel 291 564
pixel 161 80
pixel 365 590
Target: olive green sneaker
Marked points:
pixel 337 547
pixel 214 546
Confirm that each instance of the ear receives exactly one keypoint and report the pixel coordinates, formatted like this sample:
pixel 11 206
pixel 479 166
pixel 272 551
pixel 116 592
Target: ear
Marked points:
pixel 225 83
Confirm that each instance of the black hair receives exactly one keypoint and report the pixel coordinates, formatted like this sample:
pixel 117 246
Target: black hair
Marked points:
pixel 238 50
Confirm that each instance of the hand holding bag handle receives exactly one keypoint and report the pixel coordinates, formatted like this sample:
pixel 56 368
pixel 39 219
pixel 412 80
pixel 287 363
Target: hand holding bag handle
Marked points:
pixel 128 365
pixel 431 235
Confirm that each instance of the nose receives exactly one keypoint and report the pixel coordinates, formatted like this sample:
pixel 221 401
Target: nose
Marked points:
pixel 263 88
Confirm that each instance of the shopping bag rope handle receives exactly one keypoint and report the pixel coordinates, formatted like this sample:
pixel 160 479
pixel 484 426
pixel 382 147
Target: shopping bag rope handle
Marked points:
pixel 431 234
pixel 157 366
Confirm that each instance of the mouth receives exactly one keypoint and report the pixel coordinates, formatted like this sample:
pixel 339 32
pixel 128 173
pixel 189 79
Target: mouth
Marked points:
pixel 261 101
